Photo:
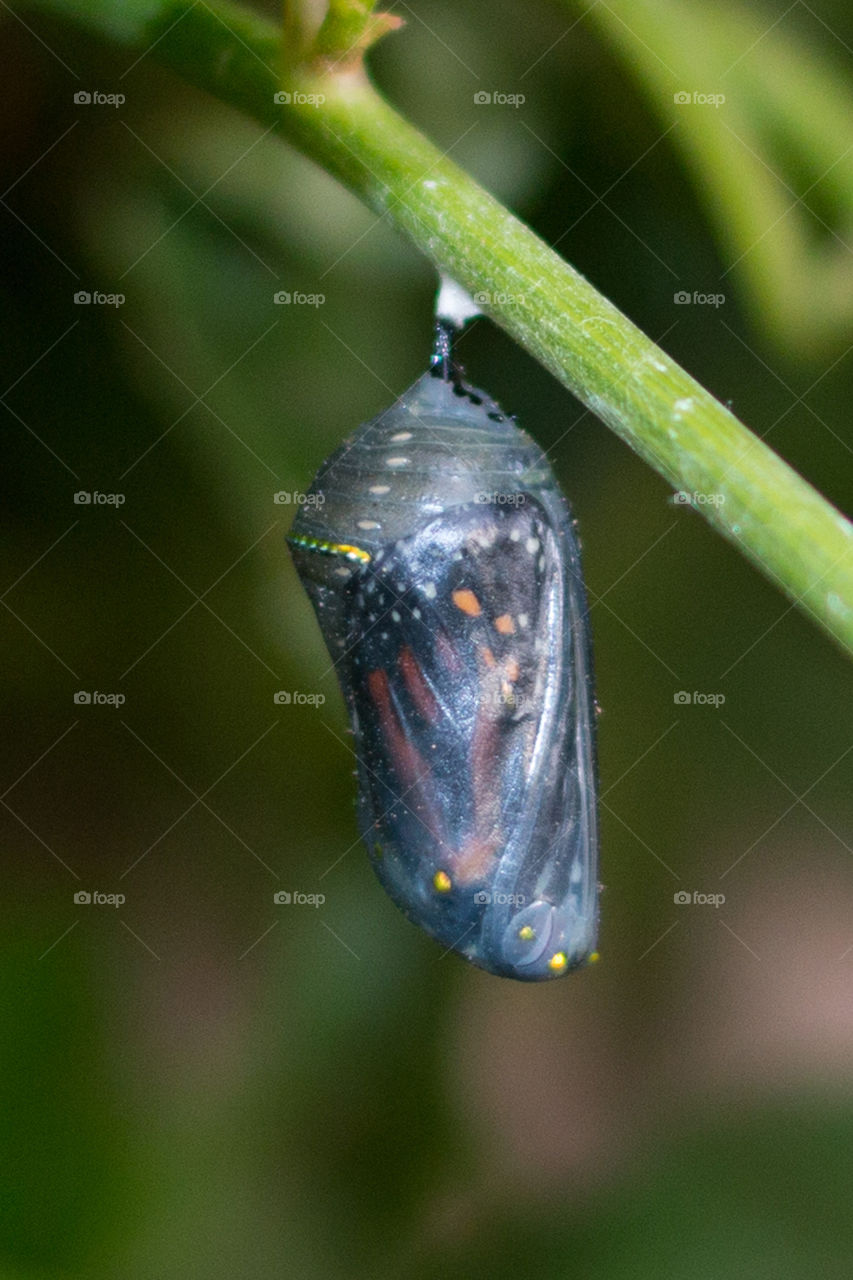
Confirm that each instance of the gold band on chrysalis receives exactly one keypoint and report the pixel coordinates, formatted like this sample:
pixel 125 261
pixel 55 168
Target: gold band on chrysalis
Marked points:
pixel 330 548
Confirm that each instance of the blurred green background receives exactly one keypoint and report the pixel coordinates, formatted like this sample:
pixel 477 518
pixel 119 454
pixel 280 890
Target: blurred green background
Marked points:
pixel 202 1083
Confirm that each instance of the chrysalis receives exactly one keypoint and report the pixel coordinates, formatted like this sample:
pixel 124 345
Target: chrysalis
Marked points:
pixel 444 568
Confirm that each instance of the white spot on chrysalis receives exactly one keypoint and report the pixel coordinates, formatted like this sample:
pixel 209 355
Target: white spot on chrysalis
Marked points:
pixel 523 620
pixel 369 524
pixel 429 590
pixel 401 437
pixel 396 462
pixel 532 545
pixel 395 617
pixel 380 488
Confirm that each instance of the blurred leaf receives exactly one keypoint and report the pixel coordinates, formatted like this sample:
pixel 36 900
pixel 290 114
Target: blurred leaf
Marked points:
pixel 772 160
pixel 60 1176
pixel 751 1196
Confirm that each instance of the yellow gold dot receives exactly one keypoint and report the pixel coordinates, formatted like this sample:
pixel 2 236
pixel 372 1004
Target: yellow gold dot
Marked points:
pixel 558 961
pixel 442 882
pixel 527 933
pixel 594 957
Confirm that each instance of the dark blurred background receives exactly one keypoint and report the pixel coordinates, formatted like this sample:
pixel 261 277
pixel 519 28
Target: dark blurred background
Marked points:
pixel 199 1082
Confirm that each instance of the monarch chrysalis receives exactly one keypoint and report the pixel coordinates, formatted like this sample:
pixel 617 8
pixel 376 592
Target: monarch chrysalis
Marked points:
pixel 443 564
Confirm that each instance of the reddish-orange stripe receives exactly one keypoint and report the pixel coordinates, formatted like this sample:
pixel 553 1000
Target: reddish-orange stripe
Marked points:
pixel 413 678
pixel 406 758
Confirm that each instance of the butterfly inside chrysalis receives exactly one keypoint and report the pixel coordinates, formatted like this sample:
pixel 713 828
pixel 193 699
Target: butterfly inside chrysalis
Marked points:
pixel 443 564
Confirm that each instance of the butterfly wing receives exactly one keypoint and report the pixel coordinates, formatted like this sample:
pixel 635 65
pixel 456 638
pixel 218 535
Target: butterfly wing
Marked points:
pixel 466 668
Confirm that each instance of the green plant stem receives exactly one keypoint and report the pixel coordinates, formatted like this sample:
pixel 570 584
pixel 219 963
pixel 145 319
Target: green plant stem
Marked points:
pixel 792 534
